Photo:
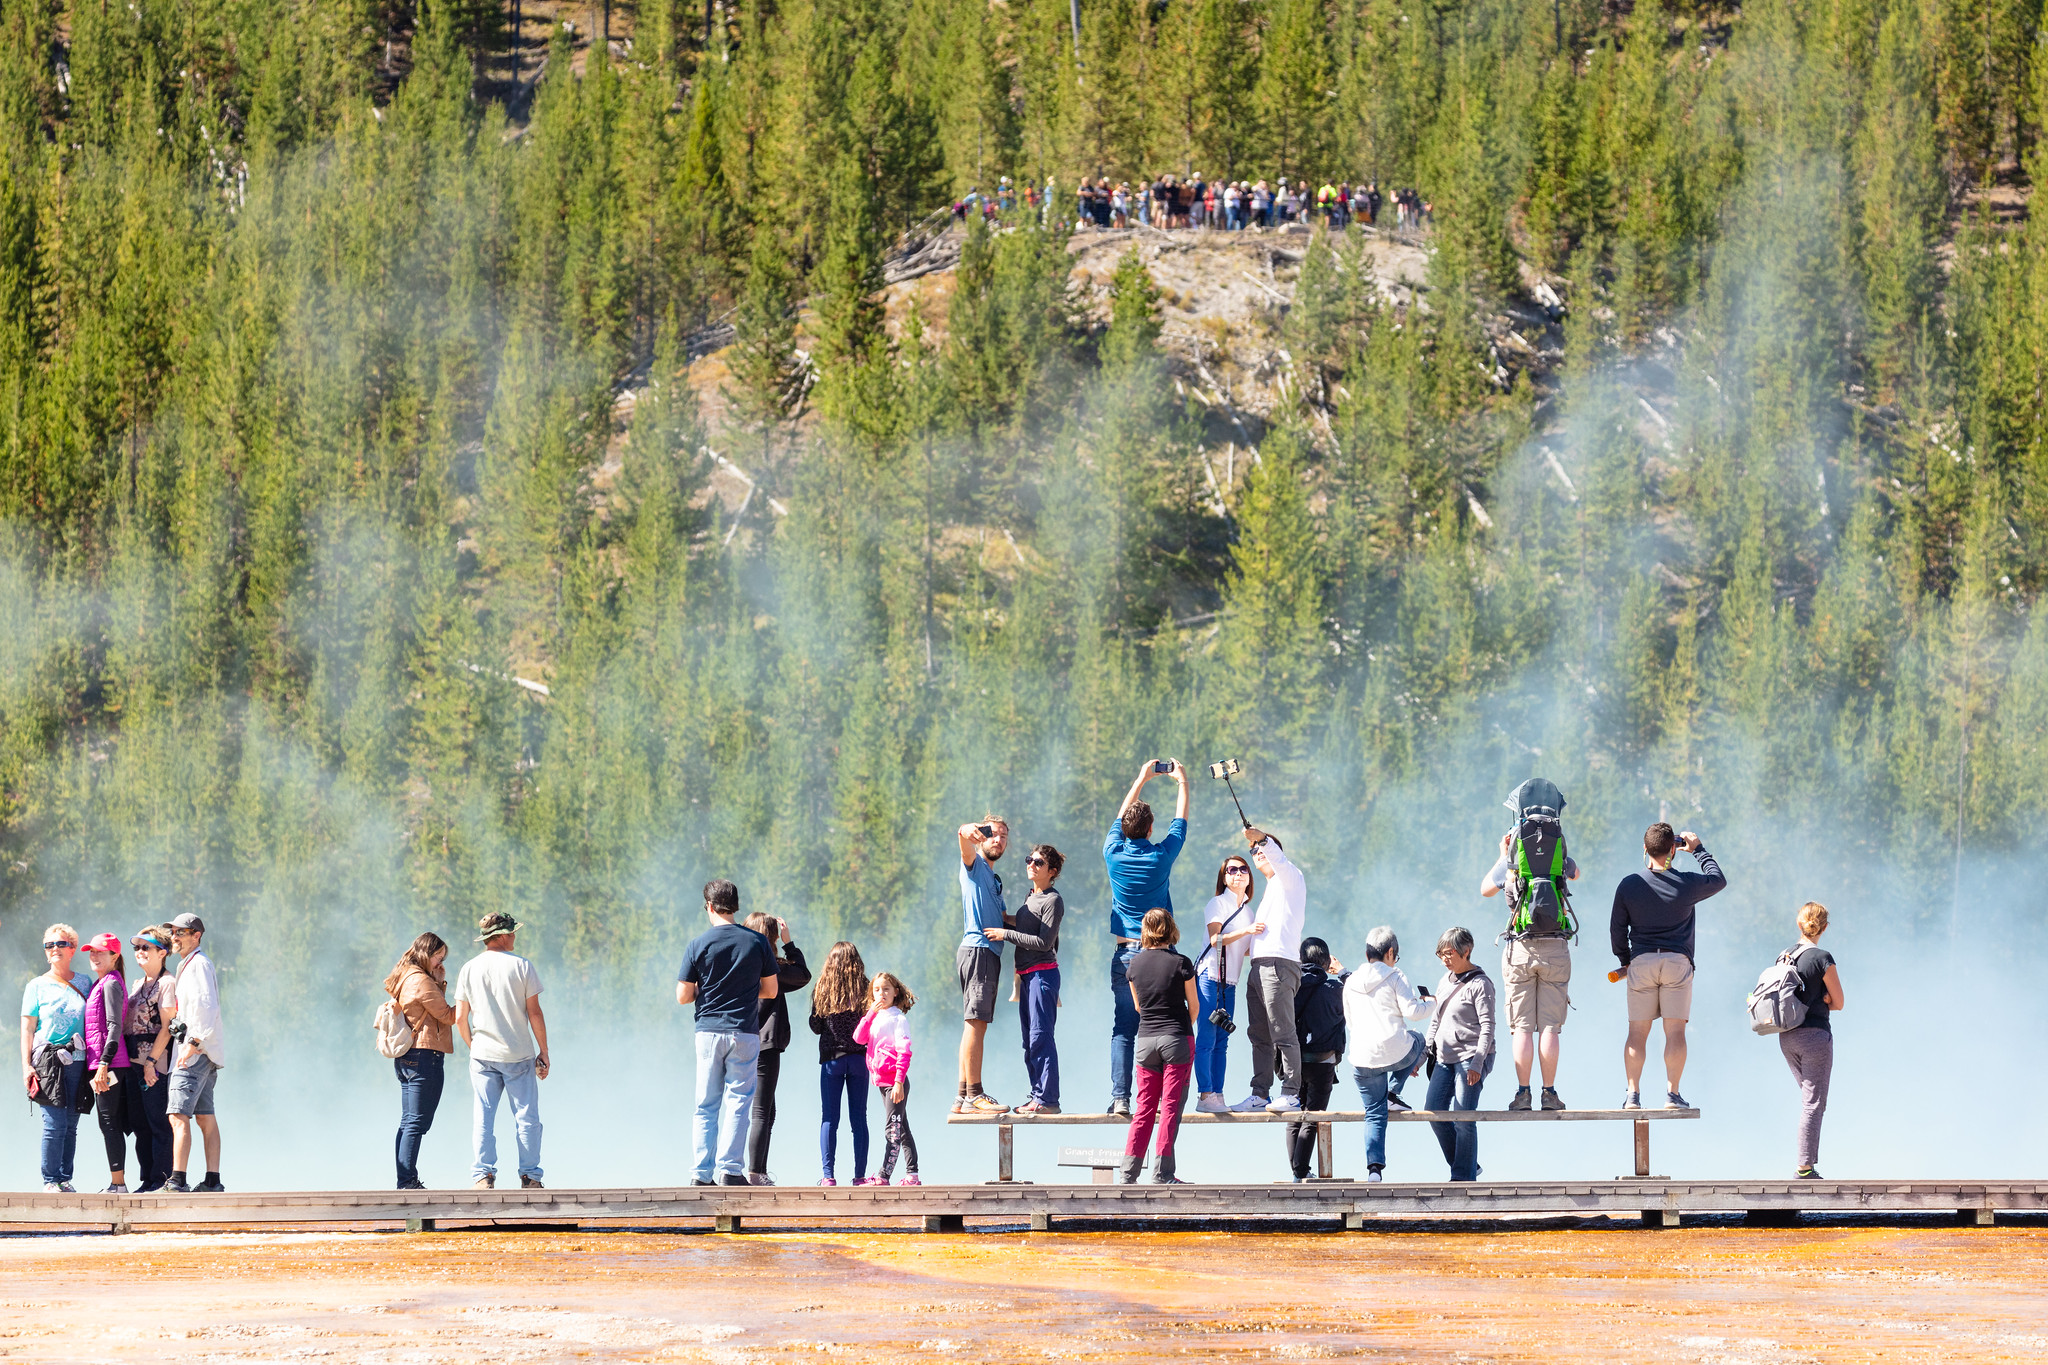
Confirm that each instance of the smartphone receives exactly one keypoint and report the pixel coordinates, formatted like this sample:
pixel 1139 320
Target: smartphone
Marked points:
pixel 985 831
pixel 1162 765
pixel 1422 991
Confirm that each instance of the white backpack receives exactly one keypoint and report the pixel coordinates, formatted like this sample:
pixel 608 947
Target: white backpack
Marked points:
pixel 1775 1006
pixel 394 1030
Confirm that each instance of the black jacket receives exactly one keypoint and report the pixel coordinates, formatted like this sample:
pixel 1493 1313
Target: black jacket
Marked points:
pixel 790 975
pixel 835 1035
pixel 1319 1011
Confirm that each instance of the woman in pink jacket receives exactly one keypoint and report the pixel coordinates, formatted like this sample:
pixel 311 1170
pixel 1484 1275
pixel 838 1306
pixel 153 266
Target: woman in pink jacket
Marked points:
pixel 886 1034
pixel 114 1073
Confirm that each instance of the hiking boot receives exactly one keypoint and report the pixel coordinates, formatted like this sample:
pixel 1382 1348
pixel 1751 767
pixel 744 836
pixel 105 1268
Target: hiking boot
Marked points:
pixel 1251 1104
pixel 1286 1104
pixel 530 1182
pixel 758 1178
pixel 1520 1103
pixel 486 1181
pixel 176 1185
pixel 1211 1104
pixel 1396 1103
pixel 985 1104
pixel 1551 1103
pixel 1632 1100
pixel 1674 1100
pixel 1120 1109
pixel 210 1185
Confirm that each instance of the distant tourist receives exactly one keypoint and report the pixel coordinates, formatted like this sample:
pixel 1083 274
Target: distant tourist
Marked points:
pixel 53 1053
pixel 1319 1021
pixel 1140 873
pixel 1274 974
pixel 1810 1049
pixel 151 1001
pixel 791 974
pixel 1035 932
pixel 885 1032
pixel 1651 932
pixel 1228 917
pixel 727 972
pixel 1162 986
pixel 201 1052
pixel 111 1072
pixel 838 1002
pixel 1379 1004
pixel 418 984
pixel 1461 1047
pixel 498 1015
pixel 978 961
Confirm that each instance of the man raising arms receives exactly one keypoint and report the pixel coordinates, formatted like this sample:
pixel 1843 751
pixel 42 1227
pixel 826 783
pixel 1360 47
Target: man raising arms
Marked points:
pixel 979 960
pixel 1139 871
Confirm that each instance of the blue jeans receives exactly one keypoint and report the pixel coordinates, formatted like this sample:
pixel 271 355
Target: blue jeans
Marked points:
pixel 1123 1030
pixel 1210 1041
pixel 1375 1083
pixel 515 1081
pixel 847 1076
pixel 1460 1141
pixel 1038 1007
pixel 728 1066
pixel 421 1073
pixel 60 1128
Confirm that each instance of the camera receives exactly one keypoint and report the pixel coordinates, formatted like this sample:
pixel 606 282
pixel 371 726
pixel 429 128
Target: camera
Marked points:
pixel 1220 1019
pixel 1227 768
pixel 178 1030
pixel 1162 765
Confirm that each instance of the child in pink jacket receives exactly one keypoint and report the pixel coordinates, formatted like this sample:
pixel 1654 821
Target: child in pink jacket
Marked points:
pixel 886 1034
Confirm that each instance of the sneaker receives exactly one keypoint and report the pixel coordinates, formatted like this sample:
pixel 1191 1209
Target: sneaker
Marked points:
pixel 1632 1100
pixel 115 1189
pixel 1807 1173
pixel 1372 1177
pixel 1036 1107
pixel 1674 1100
pixel 1551 1103
pixel 1520 1103
pixel 52 1187
pixel 702 1184
pixel 959 1105
pixel 871 1180
pixel 1169 1180
pixel 1396 1104
pixel 728 1178
pixel 530 1182
pixel 984 1104
pixel 1251 1104
pixel 828 1180
pixel 176 1185
pixel 210 1185
pixel 1211 1104
pixel 149 1189
pixel 1286 1104
pixel 910 1179
pixel 758 1178
pixel 486 1181
pixel 1120 1109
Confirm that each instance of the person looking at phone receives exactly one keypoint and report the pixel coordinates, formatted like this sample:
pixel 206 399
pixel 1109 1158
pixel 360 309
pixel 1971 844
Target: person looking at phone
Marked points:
pixel 1651 931
pixel 1140 872
pixel 792 973
pixel 979 960
pixel 1275 977
pixel 499 1019
pixel 1379 1004
pixel 727 972
pixel 1229 918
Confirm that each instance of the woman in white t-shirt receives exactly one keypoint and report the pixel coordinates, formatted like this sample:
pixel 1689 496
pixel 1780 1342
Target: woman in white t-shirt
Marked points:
pixel 1230 922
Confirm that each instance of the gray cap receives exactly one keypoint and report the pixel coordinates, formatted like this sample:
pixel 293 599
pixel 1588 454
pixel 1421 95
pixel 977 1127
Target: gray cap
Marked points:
pixel 190 923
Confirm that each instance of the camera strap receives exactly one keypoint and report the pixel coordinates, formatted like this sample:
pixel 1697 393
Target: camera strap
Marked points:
pixel 1221 930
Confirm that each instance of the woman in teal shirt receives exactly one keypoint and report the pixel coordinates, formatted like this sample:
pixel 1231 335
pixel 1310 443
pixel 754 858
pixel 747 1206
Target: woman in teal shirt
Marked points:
pixel 53 1014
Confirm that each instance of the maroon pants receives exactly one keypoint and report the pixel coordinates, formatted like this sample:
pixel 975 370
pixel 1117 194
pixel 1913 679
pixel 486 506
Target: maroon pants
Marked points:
pixel 1162 1087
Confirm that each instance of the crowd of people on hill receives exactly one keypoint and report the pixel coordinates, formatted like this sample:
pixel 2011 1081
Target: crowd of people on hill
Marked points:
pixel 145 1056
pixel 1170 202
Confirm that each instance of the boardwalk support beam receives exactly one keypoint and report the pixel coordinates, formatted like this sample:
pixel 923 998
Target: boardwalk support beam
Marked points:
pixel 726 1222
pixel 945 1222
pixel 419 1225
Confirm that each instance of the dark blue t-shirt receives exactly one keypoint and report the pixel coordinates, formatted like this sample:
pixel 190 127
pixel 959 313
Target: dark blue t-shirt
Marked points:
pixel 727 965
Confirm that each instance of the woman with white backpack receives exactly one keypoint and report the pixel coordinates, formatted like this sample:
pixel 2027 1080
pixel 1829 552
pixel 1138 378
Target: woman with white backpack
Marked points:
pixel 1810 1048
pixel 415 1028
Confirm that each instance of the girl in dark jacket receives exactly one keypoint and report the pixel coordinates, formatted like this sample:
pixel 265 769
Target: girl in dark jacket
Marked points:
pixel 837 1004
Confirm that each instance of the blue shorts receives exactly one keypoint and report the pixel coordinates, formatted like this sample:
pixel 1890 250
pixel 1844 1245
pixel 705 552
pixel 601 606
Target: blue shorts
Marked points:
pixel 192 1086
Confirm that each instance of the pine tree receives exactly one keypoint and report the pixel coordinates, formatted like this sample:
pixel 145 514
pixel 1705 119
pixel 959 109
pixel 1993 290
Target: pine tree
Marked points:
pixel 766 379
pixel 1904 204
pixel 1271 654
pixel 1292 96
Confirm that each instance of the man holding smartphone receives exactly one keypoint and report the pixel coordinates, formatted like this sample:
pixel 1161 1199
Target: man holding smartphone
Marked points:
pixel 979 960
pixel 1651 931
pixel 1139 875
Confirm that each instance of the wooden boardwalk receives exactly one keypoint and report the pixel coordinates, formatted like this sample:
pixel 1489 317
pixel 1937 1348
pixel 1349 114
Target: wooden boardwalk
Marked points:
pixel 943 1208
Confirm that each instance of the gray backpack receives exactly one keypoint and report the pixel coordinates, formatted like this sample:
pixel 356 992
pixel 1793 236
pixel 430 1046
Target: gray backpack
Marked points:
pixel 1775 1006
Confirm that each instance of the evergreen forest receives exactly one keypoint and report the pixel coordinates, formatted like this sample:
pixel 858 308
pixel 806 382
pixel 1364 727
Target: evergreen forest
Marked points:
pixel 364 571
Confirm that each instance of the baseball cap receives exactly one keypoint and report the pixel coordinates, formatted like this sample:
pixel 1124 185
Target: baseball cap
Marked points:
pixel 189 922
pixel 104 943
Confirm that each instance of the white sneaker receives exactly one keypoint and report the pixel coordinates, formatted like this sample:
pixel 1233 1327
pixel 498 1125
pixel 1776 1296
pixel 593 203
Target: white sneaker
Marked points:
pixel 1372 1177
pixel 1211 1104
pixel 52 1187
pixel 1286 1104
pixel 1250 1104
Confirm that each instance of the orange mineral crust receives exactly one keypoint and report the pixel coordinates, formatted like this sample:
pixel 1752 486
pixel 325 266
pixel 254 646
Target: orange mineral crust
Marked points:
pixel 1554 1291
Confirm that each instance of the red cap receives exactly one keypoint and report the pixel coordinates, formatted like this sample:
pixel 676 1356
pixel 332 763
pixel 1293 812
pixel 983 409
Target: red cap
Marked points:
pixel 105 943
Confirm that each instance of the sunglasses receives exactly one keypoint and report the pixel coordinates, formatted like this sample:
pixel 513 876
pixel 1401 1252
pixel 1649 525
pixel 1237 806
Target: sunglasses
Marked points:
pixel 60 944
pixel 1235 868
pixel 1035 861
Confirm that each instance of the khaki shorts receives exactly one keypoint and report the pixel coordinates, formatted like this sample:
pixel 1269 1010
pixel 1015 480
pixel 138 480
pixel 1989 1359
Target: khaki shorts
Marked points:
pixel 1538 973
pixel 1659 987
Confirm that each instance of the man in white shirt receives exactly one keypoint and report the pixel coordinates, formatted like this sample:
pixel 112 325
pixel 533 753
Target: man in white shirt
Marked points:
pixel 497 1012
pixel 200 1054
pixel 1272 975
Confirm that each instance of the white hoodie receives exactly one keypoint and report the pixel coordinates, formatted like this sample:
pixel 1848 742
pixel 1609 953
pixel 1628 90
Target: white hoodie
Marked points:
pixel 1378 1005
pixel 1283 908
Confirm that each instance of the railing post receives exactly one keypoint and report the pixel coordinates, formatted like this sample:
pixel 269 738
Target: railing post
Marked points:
pixel 1642 1146
pixel 1326 1157
pixel 1006 1152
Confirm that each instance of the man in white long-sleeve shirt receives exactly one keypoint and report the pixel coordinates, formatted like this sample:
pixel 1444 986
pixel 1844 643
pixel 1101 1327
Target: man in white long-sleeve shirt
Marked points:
pixel 199 1057
pixel 1272 975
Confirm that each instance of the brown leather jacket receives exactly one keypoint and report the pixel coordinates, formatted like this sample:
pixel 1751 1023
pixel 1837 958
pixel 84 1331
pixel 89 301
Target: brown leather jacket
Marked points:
pixel 424 999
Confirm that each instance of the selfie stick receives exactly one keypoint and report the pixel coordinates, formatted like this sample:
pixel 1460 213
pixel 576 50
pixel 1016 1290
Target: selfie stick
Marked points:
pixel 1234 801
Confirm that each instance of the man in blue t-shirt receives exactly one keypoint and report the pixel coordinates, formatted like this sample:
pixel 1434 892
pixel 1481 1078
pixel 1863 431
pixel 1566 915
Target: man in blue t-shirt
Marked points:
pixel 727 972
pixel 1139 871
pixel 979 959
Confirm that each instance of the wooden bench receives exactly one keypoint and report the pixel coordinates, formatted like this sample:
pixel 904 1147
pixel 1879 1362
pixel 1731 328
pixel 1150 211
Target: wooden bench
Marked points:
pixel 1006 1126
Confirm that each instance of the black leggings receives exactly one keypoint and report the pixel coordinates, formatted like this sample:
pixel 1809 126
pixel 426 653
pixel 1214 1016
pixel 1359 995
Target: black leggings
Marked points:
pixel 899 1138
pixel 768 1072
pixel 118 1109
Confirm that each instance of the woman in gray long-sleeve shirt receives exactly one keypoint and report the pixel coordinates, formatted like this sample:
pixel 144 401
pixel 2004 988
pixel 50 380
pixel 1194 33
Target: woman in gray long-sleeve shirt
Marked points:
pixel 1035 929
pixel 1461 1042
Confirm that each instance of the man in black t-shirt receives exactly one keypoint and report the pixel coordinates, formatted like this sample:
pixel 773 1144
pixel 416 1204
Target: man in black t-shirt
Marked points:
pixel 727 972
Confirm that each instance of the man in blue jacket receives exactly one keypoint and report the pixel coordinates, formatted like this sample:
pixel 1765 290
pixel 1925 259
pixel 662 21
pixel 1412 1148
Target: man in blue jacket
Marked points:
pixel 1651 931
pixel 1139 871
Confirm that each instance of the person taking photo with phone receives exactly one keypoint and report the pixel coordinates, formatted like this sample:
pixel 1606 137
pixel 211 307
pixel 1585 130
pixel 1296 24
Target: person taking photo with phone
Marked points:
pixel 979 961
pixel 792 973
pixel 1651 931
pixel 1273 978
pixel 1140 873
